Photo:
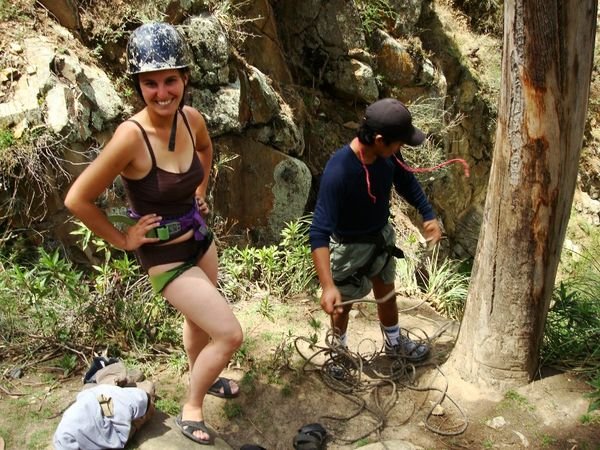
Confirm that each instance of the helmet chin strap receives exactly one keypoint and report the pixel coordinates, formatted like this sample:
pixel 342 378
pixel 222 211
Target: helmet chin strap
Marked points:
pixel 173 135
pixel 173 132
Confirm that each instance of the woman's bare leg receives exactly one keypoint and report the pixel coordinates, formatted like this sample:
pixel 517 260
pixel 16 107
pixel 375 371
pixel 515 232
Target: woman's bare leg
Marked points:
pixel 196 297
pixel 194 338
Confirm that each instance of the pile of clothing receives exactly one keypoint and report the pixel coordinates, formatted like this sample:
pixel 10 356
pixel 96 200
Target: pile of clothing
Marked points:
pixel 114 403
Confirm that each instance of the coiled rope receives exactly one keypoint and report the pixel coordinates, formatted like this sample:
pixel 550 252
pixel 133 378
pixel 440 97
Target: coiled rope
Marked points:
pixel 343 371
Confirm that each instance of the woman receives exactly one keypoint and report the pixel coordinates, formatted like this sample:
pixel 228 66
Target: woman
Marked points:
pixel 164 155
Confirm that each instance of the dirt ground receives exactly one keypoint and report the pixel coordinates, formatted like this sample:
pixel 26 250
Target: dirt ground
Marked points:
pixel 543 414
pixel 277 400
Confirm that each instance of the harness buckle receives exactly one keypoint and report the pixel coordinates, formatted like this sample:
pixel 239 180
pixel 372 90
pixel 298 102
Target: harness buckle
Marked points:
pixel 165 231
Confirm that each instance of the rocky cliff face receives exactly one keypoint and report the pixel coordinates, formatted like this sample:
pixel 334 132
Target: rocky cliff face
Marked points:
pixel 281 83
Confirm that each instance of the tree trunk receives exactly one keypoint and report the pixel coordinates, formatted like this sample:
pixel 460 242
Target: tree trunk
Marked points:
pixel 546 70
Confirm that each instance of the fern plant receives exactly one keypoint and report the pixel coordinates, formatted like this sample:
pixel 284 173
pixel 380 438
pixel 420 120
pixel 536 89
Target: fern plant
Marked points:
pixel 446 285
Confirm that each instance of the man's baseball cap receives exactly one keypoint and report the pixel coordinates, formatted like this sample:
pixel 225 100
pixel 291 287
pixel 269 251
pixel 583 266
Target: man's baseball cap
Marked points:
pixel 390 118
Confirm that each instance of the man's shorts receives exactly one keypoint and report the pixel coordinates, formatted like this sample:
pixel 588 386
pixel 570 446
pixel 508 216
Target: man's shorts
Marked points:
pixel 346 259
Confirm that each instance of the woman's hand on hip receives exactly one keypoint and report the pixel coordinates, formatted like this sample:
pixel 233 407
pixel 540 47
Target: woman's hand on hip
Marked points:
pixel 135 236
pixel 202 205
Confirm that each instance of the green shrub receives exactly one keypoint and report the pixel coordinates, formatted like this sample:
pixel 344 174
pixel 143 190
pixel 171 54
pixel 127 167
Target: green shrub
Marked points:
pixel 572 329
pixel 375 14
pixel 49 302
pixel 283 270
pixel 595 394
pixel 7 139
pixel 31 169
pixel 446 284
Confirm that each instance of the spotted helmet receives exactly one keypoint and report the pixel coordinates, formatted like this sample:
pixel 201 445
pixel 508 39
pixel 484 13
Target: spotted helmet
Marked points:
pixel 156 46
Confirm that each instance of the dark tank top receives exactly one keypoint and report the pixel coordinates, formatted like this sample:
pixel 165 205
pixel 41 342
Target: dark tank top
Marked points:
pixel 165 193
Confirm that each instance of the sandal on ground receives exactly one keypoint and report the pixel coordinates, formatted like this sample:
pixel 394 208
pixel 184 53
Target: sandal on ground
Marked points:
pixel 310 437
pixel 223 383
pixel 188 427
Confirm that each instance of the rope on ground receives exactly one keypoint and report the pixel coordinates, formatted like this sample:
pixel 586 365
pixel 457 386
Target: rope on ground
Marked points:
pixel 342 371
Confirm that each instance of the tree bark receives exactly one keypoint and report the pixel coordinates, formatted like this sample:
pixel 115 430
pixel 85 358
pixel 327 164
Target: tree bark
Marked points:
pixel 546 70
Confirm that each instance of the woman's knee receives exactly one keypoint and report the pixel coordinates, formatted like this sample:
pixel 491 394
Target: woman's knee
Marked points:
pixel 235 338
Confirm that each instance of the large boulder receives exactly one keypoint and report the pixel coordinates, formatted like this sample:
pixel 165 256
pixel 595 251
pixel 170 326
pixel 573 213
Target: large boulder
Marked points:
pixel 65 11
pixel 261 47
pixel 322 39
pixel 58 91
pixel 260 189
pixel 210 48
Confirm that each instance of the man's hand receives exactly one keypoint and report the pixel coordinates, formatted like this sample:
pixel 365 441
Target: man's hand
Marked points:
pixel 329 298
pixel 432 231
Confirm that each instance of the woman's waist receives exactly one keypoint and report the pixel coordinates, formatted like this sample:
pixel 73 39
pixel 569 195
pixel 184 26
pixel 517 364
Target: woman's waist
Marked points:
pixel 186 236
pixel 170 213
pixel 191 223
pixel 171 228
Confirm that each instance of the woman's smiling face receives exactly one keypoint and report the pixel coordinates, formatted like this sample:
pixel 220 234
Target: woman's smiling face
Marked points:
pixel 162 90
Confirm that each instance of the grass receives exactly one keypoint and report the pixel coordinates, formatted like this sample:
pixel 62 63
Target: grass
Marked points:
pixel 595 394
pixel 287 390
pixel 48 304
pixel 7 139
pixel 232 410
pixel 547 441
pixel 573 324
pixel 485 16
pixel 36 406
pixel 512 397
pixel 243 354
pixel 443 281
pixel 362 442
pixel 178 361
pixel 169 406
pixel 248 381
pixel 485 66
pixel 17 10
pixel 590 419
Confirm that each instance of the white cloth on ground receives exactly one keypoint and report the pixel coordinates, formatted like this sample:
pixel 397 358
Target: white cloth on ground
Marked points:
pixel 84 427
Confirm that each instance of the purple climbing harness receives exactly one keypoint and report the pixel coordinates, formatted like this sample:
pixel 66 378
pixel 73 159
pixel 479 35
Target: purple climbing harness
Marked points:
pixel 168 227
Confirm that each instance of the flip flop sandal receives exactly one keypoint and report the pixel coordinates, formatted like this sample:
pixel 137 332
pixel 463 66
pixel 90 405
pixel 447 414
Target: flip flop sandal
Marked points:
pixel 310 437
pixel 188 427
pixel 222 382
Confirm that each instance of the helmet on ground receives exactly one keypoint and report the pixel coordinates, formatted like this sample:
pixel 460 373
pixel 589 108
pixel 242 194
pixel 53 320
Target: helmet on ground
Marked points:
pixel 156 46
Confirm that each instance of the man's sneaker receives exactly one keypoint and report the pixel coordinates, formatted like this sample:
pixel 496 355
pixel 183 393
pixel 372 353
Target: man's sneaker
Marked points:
pixel 408 349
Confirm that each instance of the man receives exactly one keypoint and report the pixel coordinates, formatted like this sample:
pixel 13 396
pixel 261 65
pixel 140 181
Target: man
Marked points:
pixel 351 239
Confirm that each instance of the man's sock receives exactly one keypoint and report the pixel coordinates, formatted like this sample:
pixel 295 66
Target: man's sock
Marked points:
pixel 392 334
pixel 344 339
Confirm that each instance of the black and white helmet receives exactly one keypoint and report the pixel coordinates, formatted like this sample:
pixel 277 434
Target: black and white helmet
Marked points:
pixel 156 46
